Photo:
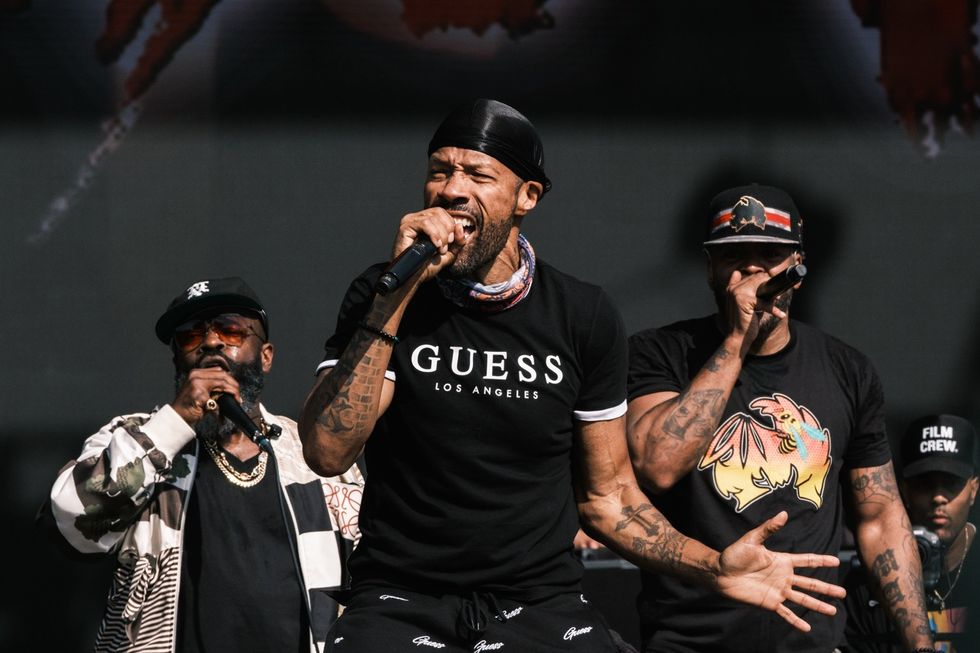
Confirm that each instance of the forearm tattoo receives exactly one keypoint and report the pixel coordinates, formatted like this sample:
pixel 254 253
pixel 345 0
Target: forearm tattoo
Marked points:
pixel 884 564
pixel 875 488
pixel 345 399
pixel 900 582
pixel 662 545
pixel 714 364
pixel 696 413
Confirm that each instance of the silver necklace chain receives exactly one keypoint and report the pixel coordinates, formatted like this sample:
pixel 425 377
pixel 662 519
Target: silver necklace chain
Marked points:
pixel 959 570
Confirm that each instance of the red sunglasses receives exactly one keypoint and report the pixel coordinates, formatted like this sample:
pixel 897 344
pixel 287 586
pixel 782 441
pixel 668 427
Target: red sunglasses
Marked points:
pixel 231 329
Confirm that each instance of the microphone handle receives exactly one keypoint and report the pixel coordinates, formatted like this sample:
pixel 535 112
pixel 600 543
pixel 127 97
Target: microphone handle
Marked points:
pixel 789 278
pixel 232 410
pixel 406 265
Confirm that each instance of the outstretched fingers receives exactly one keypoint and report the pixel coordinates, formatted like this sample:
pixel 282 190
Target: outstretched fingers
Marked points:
pixel 813 560
pixel 810 603
pixel 792 619
pixel 818 586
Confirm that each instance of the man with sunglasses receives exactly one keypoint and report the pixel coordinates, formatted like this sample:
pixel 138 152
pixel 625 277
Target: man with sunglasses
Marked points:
pixel 220 544
pixel 489 391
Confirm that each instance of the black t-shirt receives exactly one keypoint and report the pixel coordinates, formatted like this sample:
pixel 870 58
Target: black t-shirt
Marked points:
pixel 470 468
pixel 795 421
pixel 869 630
pixel 239 590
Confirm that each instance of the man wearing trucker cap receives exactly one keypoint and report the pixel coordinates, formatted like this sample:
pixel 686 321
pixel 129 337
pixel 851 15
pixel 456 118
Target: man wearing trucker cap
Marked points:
pixel 744 413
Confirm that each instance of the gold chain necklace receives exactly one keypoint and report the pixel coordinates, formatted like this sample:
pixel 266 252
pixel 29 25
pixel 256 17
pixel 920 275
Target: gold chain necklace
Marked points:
pixel 959 569
pixel 241 479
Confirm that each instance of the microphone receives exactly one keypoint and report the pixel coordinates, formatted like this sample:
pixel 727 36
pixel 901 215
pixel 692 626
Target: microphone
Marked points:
pixel 232 410
pixel 406 265
pixel 789 278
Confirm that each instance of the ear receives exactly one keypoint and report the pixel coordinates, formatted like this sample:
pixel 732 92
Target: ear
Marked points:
pixel 527 197
pixel 267 354
pixel 973 483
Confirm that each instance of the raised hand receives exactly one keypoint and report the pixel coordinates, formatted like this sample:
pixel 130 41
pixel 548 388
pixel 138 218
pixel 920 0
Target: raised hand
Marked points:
pixel 191 402
pixel 751 573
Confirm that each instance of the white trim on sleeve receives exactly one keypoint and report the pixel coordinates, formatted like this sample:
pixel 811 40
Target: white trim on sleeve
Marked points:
pixel 333 361
pixel 600 415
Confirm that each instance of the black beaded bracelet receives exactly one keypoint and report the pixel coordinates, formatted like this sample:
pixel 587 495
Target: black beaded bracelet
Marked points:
pixel 925 649
pixel 381 333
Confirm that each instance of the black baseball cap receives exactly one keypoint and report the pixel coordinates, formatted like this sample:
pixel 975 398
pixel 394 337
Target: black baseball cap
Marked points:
pixel 939 443
pixel 231 293
pixel 753 214
pixel 498 130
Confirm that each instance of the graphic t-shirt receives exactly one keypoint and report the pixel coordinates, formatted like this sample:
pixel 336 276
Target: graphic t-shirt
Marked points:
pixel 469 482
pixel 795 421
pixel 869 630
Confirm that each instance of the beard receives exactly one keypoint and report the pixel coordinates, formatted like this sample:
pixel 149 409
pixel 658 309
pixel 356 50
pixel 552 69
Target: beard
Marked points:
pixel 767 321
pixel 490 240
pixel 251 380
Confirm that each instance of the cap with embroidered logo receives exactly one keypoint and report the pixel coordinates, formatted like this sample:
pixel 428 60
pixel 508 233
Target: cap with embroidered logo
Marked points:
pixel 230 293
pixel 753 214
pixel 939 443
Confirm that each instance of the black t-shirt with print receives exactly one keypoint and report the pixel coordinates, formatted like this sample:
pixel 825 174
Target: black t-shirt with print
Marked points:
pixel 470 469
pixel 796 421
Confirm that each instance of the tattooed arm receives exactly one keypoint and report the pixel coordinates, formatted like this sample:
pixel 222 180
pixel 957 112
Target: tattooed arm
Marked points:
pixel 615 511
pixel 347 400
pixel 887 547
pixel 669 432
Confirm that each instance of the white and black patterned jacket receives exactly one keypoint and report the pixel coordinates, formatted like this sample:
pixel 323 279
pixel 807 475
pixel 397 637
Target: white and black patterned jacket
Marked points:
pixel 127 494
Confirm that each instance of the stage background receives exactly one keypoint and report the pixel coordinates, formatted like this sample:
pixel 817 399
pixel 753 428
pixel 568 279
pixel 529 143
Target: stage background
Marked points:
pixel 283 140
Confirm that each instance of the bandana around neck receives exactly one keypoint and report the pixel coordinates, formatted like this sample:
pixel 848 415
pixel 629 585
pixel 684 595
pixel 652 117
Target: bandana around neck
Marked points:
pixel 495 297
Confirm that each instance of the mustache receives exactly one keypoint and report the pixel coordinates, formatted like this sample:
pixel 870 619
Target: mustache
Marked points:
pixel 213 359
pixel 459 205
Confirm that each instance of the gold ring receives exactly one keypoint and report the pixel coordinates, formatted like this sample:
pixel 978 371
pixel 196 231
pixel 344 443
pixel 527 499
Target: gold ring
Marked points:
pixel 211 404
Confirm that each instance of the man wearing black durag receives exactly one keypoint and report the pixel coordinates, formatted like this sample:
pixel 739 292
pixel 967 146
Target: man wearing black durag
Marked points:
pixel 489 394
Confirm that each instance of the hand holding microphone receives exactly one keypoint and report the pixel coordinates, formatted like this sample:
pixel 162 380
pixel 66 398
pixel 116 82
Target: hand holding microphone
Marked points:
pixel 406 265
pixel 423 230
pixel 781 282
pixel 232 410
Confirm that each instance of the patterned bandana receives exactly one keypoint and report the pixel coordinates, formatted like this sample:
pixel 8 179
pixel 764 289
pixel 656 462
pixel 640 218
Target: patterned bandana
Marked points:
pixel 496 297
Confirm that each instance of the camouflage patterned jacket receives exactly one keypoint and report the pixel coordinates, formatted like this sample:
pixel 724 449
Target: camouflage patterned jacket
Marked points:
pixel 127 493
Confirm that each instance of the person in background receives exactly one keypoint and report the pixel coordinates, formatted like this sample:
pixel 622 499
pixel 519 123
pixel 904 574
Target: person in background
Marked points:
pixel 937 458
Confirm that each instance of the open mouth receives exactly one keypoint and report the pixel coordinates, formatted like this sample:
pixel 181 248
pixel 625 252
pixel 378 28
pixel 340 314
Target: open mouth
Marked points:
pixel 212 361
pixel 466 222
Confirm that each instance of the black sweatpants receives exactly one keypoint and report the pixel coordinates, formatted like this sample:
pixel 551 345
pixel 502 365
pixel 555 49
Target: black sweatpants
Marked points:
pixel 393 621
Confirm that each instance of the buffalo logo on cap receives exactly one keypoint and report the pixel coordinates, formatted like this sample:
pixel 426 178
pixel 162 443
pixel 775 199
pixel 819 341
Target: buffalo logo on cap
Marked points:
pixel 748 211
